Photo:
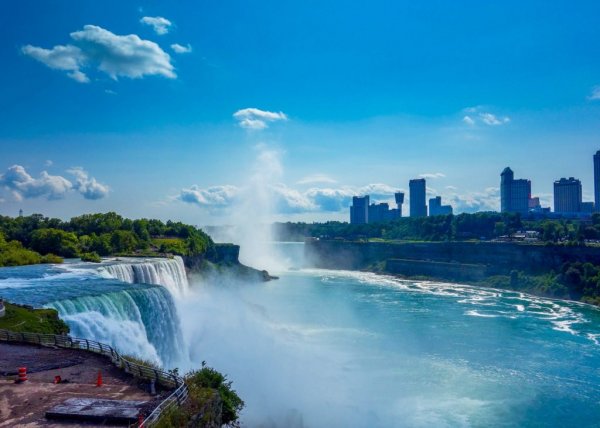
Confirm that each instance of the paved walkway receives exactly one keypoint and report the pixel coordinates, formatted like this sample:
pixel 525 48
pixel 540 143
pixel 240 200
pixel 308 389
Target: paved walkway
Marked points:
pixel 24 405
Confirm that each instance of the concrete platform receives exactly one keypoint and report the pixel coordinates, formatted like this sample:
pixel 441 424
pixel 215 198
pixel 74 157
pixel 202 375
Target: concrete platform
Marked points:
pixel 95 410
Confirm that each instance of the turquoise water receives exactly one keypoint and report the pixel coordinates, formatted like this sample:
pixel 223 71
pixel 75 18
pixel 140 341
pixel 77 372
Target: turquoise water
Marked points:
pixel 327 348
pixel 324 348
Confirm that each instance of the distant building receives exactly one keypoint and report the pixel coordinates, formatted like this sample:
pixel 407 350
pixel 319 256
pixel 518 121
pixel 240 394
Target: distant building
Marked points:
pixel 436 207
pixel 534 203
pixel 21 212
pixel 597 180
pixel 359 211
pixel 399 196
pixel 381 212
pixel 514 194
pixel 567 195
pixel 418 207
pixel 587 207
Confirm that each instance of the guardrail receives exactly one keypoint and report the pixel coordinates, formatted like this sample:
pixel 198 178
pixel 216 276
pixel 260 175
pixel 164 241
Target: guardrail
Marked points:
pixel 162 378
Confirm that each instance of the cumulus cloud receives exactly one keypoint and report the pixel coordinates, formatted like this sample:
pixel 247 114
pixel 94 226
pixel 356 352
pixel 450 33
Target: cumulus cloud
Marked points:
pixel 256 119
pixel 595 95
pixel 180 49
pixel 286 200
pixel 22 185
pixel 128 56
pixel 432 175
pixel 491 119
pixel 469 120
pixel 488 200
pixel 88 186
pixel 479 115
pixel 68 58
pixel 316 178
pixel 217 196
pixel 159 24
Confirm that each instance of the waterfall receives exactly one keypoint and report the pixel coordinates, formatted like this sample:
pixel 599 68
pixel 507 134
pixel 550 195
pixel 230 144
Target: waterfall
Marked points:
pixel 170 273
pixel 141 321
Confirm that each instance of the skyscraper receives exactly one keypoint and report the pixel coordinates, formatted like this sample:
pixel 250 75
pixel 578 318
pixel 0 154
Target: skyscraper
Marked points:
pixel 597 181
pixel 567 195
pixel 436 207
pixel 514 194
pixel 418 207
pixel 399 196
pixel 359 211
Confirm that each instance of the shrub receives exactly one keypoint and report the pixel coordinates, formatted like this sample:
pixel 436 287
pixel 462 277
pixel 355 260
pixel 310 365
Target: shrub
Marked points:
pixel 91 257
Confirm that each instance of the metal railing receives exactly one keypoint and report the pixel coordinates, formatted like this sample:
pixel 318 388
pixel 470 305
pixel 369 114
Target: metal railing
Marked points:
pixel 161 377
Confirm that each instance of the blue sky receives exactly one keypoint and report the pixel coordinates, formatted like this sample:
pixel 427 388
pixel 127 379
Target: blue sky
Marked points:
pixel 99 111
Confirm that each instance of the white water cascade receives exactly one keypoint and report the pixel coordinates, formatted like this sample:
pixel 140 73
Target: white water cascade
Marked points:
pixel 170 273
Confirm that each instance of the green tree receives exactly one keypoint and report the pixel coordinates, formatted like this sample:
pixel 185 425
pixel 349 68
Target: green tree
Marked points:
pixel 55 241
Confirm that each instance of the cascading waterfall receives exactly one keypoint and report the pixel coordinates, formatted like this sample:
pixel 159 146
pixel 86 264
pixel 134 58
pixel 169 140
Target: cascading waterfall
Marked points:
pixel 141 322
pixel 170 273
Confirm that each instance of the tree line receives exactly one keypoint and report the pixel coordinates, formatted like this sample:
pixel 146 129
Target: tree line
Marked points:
pixel 483 225
pixel 93 235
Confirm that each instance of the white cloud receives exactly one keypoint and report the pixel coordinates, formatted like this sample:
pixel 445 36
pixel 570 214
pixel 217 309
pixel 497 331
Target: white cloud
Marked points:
pixel 317 178
pixel 286 200
pixel 88 186
pixel 432 175
pixel 115 55
pixel 23 185
pixel 68 58
pixel 256 119
pixel 488 200
pixel 491 119
pixel 180 49
pixel 159 24
pixel 48 162
pixel 469 120
pixel 217 196
pixel 595 95
pixel 478 115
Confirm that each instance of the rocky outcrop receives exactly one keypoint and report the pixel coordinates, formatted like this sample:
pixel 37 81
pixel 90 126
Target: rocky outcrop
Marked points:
pixel 224 259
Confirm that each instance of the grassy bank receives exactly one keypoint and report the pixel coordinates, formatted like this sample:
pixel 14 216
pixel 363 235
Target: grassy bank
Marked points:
pixel 26 319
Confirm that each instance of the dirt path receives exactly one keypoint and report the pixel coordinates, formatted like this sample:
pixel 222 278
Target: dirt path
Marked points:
pixel 24 405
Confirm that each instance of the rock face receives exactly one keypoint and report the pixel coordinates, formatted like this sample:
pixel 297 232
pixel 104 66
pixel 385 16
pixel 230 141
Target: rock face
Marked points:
pixel 498 258
pixel 224 259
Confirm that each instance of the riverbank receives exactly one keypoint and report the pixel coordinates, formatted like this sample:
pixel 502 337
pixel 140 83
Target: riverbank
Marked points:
pixel 557 271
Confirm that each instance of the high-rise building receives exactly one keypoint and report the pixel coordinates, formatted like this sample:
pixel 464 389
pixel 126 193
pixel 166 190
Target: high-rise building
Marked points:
pixel 436 207
pixel 418 207
pixel 567 195
pixel 597 181
pixel 514 194
pixel 359 211
pixel 399 196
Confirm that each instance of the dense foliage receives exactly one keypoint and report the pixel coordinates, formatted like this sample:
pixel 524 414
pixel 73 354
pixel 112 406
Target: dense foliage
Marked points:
pixel 102 234
pixel 484 225
pixel 208 377
pixel 575 281
pixel 206 387
pixel 13 253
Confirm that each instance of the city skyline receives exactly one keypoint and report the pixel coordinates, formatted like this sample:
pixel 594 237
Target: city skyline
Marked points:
pixel 515 196
pixel 181 124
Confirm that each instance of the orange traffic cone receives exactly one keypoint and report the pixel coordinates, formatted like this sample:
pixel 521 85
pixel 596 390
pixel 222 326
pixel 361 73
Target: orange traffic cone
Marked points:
pixel 99 380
